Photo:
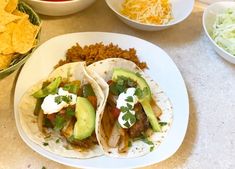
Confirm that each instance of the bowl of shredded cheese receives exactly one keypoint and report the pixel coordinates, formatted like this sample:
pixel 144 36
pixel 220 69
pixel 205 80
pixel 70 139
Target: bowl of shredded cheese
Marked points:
pixel 151 15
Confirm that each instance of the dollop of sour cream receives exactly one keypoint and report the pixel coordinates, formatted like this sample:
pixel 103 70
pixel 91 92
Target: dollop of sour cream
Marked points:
pixel 50 106
pixel 122 101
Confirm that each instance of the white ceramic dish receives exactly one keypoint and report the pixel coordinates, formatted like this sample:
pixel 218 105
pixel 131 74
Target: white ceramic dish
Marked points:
pixel 58 8
pixel 161 68
pixel 209 17
pixel 181 9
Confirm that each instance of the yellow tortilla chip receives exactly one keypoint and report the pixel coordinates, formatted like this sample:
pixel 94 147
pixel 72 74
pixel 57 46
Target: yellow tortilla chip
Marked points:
pixel 5 61
pixel 2 28
pixel 24 36
pixel 6 18
pixel 3 4
pixel 21 14
pixel 6 37
pixel 11 6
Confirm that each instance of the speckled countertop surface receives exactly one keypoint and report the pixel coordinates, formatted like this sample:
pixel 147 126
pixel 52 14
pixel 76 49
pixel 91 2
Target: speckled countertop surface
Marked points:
pixel 210 138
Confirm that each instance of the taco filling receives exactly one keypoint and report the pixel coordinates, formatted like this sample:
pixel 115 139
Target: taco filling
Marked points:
pixel 69 109
pixel 130 113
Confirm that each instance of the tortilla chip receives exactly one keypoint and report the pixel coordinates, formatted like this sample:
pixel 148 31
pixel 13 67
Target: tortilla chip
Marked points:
pixel 6 37
pixel 21 14
pixel 6 18
pixel 5 61
pixel 2 28
pixel 3 3
pixel 11 6
pixel 24 36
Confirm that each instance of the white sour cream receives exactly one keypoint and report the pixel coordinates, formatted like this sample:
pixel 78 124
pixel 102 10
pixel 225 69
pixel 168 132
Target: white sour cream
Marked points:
pixel 122 101
pixel 49 106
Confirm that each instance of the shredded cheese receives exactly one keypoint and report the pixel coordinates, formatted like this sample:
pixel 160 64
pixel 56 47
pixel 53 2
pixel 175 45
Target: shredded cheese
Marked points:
pixel 155 12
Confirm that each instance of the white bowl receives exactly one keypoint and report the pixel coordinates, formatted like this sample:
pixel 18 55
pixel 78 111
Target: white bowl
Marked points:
pixel 208 20
pixel 181 9
pixel 58 8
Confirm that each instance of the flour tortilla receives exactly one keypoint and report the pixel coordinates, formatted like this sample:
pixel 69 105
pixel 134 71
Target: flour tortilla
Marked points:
pixel 104 69
pixel 75 71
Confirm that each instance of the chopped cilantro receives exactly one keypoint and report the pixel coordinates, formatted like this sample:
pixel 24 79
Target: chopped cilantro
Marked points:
pixel 45 144
pixel 151 148
pixel 47 123
pixel 128 116
pixel 43 167
pixel 70 112
pixel 147 141
pixel 138 92
pixel 124 109
pixel 57 140
pixel 141 93
pixel 59 99
pixel 72 88
pixel 129 99
pixel 129 106
pixel 127 124
pixel 59 122
pixel 162 123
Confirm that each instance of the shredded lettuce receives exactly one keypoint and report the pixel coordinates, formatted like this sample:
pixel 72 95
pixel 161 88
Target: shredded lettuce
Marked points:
pixel 224 30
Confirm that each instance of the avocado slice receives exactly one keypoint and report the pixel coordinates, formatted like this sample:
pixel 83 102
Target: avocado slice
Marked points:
pixel 49 89
pixel 145 102
pixel 85 115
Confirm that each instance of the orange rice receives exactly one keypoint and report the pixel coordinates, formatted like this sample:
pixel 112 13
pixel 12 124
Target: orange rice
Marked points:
pixel 99 51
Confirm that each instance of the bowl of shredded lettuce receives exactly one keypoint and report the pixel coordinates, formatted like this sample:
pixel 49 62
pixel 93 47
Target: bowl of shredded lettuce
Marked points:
pixel 219 25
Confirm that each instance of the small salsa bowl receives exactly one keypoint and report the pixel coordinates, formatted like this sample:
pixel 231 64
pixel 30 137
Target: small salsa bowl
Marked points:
pixel 59 7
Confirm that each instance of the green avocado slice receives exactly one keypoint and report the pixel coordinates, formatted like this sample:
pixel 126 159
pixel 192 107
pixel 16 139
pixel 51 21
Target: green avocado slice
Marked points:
pixel 49 89
pixel 145 101
pixel 85 115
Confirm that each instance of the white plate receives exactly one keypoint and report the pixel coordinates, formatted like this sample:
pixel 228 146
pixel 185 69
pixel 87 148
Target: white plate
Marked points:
pixel 161 68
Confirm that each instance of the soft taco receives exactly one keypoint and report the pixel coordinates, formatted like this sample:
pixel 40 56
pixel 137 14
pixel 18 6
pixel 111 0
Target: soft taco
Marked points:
pixel 59 113
pixel 137 114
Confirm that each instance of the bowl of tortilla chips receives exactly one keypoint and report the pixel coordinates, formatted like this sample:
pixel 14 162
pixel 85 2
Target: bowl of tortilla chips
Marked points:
pixel 19 35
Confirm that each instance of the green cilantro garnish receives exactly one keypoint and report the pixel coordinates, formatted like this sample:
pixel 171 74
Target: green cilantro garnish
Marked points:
pixel 151 148
pixel 57 140
pixel 70 112
pixel 45 144
pixel 121 84
pixel 129 99
pixel 72 88
pixel 124 109
pixel 128 116
pixel 129 106
pixel 147 141
pixel 162 123
pixel 59 122
pixel 141 93
pixel 43 167
pixel 59 99
pixel 47 123
pixel 127 124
